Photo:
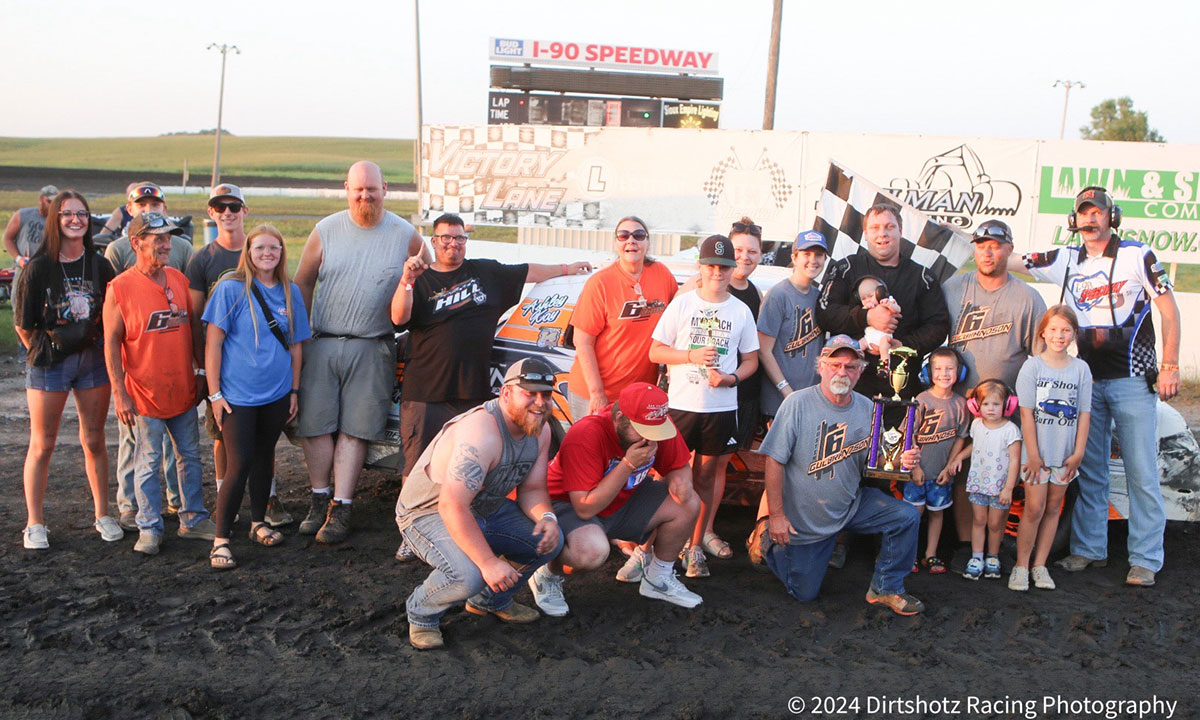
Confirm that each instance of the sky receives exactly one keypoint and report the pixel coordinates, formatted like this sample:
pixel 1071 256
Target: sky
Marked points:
pixel 75 68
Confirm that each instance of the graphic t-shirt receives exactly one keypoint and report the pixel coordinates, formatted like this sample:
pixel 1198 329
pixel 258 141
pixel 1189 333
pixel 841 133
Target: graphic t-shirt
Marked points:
pixel 993 330
pixel 941 421
pixel 989 456
pixel 621 320
pixel 209 265
pixel 255 368
pixel 1057 398
pixel 749 389
pixel 591 450
pixel 789 316
pixel 823 448
pixel 157 350
pixel 691 322
pixel 50 293
pixel 453 323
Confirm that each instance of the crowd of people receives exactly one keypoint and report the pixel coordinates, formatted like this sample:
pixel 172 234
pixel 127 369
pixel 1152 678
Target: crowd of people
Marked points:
pixel 668 382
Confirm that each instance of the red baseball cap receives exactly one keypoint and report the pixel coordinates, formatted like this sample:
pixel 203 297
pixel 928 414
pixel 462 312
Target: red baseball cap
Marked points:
pixel 646 407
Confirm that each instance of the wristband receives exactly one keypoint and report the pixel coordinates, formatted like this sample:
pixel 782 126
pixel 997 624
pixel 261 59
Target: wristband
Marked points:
pixel 736 380
pixel 408 287
pixel 551 516
pixel 781 384
pixel 215 396
pixel 199 371
pixel 564 269
pixel 294 391
pixel 1170 366
pixel 632 468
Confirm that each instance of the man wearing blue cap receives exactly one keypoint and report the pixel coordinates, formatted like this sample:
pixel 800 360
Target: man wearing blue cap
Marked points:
pixel 816 452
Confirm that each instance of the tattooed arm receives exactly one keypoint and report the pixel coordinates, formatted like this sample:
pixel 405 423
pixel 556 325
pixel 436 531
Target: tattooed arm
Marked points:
pixel 461 460
pixel 535 500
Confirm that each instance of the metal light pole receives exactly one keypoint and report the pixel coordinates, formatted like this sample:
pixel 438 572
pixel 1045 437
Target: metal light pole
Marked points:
pixel 420 117
pixel 224 50
pixel 772 67
pixel 1068 84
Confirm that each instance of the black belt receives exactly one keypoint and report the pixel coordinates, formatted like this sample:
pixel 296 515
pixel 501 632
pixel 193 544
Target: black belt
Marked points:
pixel 347 337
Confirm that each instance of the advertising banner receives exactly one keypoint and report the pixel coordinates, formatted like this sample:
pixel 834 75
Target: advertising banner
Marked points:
pixel 603 55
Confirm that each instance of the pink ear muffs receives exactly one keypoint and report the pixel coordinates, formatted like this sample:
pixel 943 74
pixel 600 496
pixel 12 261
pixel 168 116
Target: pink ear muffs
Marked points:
pixel 1011 403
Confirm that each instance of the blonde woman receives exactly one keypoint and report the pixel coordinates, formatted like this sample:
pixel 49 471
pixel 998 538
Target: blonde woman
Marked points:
pixel 256 323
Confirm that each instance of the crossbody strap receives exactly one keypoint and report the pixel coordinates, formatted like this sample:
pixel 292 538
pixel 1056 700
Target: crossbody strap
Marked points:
pixel 271 322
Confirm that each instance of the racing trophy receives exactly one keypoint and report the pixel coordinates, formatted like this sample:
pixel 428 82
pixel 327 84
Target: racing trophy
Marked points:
pixel 883 459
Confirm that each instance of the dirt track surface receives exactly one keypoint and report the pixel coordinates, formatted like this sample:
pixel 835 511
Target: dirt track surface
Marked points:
pixel 91 629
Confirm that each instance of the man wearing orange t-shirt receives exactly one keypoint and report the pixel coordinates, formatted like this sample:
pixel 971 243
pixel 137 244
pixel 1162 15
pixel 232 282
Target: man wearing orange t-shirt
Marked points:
pixel 151 361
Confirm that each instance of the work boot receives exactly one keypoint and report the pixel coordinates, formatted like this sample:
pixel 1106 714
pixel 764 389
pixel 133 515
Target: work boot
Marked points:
pixel 316 514
pixel 337 524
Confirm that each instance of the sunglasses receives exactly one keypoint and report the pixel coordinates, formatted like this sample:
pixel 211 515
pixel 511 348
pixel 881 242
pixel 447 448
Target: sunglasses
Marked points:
pixel 739 227
pixel 993 232
pixel 221 207
pixel 147 191
pixel 533 377
pixel 639 235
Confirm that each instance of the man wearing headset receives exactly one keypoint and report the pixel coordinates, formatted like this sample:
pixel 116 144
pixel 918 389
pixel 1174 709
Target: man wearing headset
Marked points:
pixel 1111 283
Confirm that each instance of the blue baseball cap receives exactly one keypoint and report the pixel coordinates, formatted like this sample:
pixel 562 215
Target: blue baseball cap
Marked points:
pixel 841 342
pixel 810 239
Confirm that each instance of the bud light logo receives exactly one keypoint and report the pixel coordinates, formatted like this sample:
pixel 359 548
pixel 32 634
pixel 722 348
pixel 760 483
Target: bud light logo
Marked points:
pixel 514 48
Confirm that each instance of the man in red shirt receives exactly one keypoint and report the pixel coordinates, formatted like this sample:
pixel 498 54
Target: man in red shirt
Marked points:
pixel 602 489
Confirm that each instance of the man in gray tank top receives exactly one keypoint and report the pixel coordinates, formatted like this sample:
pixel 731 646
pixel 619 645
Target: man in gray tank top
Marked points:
pixel 454 513
pixel 353 260
pixel 23 234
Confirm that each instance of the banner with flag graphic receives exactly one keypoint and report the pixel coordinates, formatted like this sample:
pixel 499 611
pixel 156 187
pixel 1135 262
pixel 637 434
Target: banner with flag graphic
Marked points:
pixel 845 199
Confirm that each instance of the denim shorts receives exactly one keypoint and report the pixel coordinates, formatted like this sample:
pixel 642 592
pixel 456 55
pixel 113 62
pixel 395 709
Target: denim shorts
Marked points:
pixel 1050 474
pixel 84 370
pixel 988 501
pixel 931 495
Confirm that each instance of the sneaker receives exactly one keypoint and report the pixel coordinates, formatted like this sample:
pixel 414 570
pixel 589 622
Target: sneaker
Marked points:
pixel 695 563
pixel 405 553
pixel 1018 579
pixel 547 592
pixel 1041 578
pixel 904 604
pixel 423 638
pixel 633 568
pixel 754 545
pixel 516 613
pixel 316 514
pixel 974 569
pixel 669 588
pixel 837 560
pixel 991 567
pixel 337 524
pixel 204 530
pixel 275 515
pixel 1140 576
pixel 109 529
pixel 36 538
pixel 128 521
pixel 1075 563
pixel 148 543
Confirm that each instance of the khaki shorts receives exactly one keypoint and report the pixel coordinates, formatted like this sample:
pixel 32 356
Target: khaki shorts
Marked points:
pixel 346 386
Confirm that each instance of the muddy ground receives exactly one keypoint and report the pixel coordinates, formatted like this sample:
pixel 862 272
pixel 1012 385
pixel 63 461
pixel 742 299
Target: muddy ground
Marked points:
pixel 90 629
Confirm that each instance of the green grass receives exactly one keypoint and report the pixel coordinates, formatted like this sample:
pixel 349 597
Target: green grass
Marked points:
pixel 8 334
pixel 300 157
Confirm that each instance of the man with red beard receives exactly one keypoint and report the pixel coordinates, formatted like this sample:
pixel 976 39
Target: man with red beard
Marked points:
pixel 454 513
pixel 357 256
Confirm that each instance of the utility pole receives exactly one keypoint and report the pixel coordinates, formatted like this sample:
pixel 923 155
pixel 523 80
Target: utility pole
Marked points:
pixel 772 67
pixel 1068 84
pixel 420 116
pixel 224 50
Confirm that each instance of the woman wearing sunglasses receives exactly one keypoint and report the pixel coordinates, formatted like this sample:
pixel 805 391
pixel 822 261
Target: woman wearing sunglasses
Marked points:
pixel 57 308
pixel 256 323
pixel 614 316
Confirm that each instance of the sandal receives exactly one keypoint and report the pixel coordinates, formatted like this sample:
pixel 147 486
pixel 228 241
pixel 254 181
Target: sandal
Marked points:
pixel 715 546
pixel 263 534
pixel 935 565
pixel 221 557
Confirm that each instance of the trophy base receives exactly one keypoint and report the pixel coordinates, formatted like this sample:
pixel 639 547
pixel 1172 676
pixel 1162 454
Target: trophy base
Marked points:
pixel 895 475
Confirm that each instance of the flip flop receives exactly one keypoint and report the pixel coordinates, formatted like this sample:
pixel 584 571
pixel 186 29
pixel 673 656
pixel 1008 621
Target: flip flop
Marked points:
pixel 221 557
pixel 262 534
pixel 715 546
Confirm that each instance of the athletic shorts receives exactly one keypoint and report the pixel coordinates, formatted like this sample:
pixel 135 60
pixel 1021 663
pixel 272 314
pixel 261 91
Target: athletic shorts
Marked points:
pixel 712 433
pixel 83 370
pixel 629 522
pixel 1052 474
pixel 931 495
pixel 988 501
pixel 346 386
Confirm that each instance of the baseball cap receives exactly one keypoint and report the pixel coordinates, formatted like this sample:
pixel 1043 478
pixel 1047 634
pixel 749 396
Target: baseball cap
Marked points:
pixel 226 191
pixel 717 250
pixel 48 191
pixel 147 190
pixel 1097 196
pixel 646 407
pixel 152 223
pixel 997 230
pixel 810 239
pixel 531 374
pixel 839 342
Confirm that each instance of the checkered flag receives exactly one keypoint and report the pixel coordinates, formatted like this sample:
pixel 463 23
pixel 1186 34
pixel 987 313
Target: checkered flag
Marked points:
pixel 840 211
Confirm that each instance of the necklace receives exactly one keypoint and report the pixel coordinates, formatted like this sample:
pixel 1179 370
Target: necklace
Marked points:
pixel 637 281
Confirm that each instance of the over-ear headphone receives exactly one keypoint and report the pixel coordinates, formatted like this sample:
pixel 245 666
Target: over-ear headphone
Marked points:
pixel 1011 403
pixel 1114 210
pixel 925 376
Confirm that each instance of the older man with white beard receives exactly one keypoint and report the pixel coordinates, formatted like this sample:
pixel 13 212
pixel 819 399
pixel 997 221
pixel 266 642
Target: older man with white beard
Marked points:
pixel 357 256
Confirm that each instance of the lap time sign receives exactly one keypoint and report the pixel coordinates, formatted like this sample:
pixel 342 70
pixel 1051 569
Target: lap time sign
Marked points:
pixel 604 55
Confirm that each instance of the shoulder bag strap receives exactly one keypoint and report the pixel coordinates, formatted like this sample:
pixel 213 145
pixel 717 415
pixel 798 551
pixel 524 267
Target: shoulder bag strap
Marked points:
pixel 271 322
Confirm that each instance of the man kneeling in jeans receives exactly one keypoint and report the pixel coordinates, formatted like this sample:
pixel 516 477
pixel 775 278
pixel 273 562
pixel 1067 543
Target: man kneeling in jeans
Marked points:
pixel 602 490
pixel 816 451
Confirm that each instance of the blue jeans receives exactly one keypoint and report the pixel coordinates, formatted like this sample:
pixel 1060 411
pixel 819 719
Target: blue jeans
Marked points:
pixel 803 567
pixel 148 453
pixel 508 531
pixel 1129 403
pixel 126 493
